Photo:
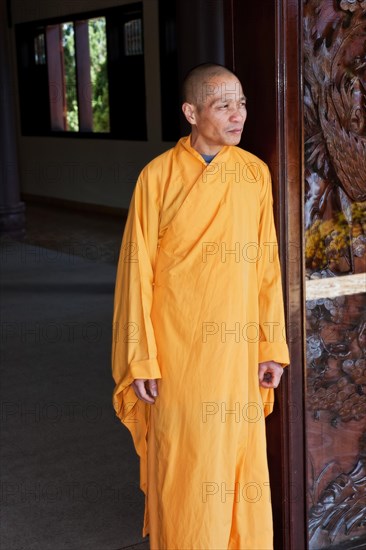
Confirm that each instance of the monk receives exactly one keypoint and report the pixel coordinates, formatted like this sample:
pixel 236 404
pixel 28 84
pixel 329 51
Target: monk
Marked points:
pixel 199 334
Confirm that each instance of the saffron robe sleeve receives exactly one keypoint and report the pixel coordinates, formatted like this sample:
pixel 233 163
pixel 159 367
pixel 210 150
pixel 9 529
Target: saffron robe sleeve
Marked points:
pixel 272 343
pixel 134 353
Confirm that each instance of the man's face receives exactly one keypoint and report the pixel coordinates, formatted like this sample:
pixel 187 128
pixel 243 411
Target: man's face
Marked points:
pixel 219 117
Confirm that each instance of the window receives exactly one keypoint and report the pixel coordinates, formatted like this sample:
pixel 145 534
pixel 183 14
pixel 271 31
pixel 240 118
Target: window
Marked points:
pixel 83 75
pixel 133 37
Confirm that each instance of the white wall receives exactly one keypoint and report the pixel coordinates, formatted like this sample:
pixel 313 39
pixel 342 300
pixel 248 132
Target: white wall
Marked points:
pixel 95 171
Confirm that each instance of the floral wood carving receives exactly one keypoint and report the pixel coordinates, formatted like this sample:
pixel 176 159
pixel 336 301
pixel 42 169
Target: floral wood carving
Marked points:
pixel 335 135
pixel 336 404
pixel 336 373
pixel 341 507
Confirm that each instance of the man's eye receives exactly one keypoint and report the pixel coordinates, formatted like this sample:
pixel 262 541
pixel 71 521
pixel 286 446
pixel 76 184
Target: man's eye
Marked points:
pixel 224 106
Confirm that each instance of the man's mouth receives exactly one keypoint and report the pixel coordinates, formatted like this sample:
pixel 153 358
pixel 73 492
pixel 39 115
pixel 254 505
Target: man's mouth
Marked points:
pixel 236 131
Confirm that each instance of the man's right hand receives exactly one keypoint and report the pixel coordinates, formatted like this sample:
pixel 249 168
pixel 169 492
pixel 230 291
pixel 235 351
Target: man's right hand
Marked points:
pixel 146 390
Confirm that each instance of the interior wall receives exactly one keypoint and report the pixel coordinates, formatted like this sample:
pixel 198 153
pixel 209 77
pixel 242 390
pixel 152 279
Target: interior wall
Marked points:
pixel 95 171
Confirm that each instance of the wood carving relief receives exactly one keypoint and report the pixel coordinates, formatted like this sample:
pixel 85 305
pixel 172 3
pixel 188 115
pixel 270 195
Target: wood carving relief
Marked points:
pixel 336 401
pixel 335 136
pixel 342 505
pixel 335 243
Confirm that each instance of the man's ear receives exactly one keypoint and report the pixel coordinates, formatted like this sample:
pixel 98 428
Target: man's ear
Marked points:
pixel 189 112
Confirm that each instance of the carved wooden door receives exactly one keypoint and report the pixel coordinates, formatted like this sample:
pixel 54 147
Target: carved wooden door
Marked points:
pixel 335 256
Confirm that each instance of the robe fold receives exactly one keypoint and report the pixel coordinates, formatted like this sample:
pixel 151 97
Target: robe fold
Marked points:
pixel 198 304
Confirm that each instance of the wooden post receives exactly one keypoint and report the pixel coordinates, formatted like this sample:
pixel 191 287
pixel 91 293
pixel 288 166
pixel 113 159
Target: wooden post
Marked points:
pixel 12 217
pixel 56 77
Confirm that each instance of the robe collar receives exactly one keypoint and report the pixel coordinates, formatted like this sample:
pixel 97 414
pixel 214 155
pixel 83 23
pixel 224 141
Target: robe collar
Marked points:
pixel 186 143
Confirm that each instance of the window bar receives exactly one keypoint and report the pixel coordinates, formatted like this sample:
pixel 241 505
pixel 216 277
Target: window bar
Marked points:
pixel 56 78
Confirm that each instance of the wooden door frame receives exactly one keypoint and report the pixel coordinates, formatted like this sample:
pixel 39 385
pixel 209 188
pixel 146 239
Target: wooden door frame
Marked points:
pixel 289 61
pixel 281 145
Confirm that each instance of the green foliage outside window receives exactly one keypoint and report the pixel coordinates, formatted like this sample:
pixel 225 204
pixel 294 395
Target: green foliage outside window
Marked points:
pixel 68 43
pixel 98 75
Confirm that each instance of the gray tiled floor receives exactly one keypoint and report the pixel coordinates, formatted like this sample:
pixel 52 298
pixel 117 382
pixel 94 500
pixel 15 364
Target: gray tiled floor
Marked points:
pixel 93 236
pixel 70 477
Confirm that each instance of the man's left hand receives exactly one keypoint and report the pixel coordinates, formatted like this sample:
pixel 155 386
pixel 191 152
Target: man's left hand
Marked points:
pixel 269 374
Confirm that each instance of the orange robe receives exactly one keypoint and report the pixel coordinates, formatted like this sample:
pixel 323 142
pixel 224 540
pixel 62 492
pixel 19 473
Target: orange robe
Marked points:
pixel 198 304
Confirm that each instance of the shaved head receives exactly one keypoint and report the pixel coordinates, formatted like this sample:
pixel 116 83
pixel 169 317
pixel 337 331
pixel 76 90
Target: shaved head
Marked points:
pixel 196 83
pixel 215 106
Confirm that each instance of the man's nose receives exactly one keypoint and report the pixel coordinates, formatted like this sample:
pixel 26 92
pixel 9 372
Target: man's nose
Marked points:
pixel 238 115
